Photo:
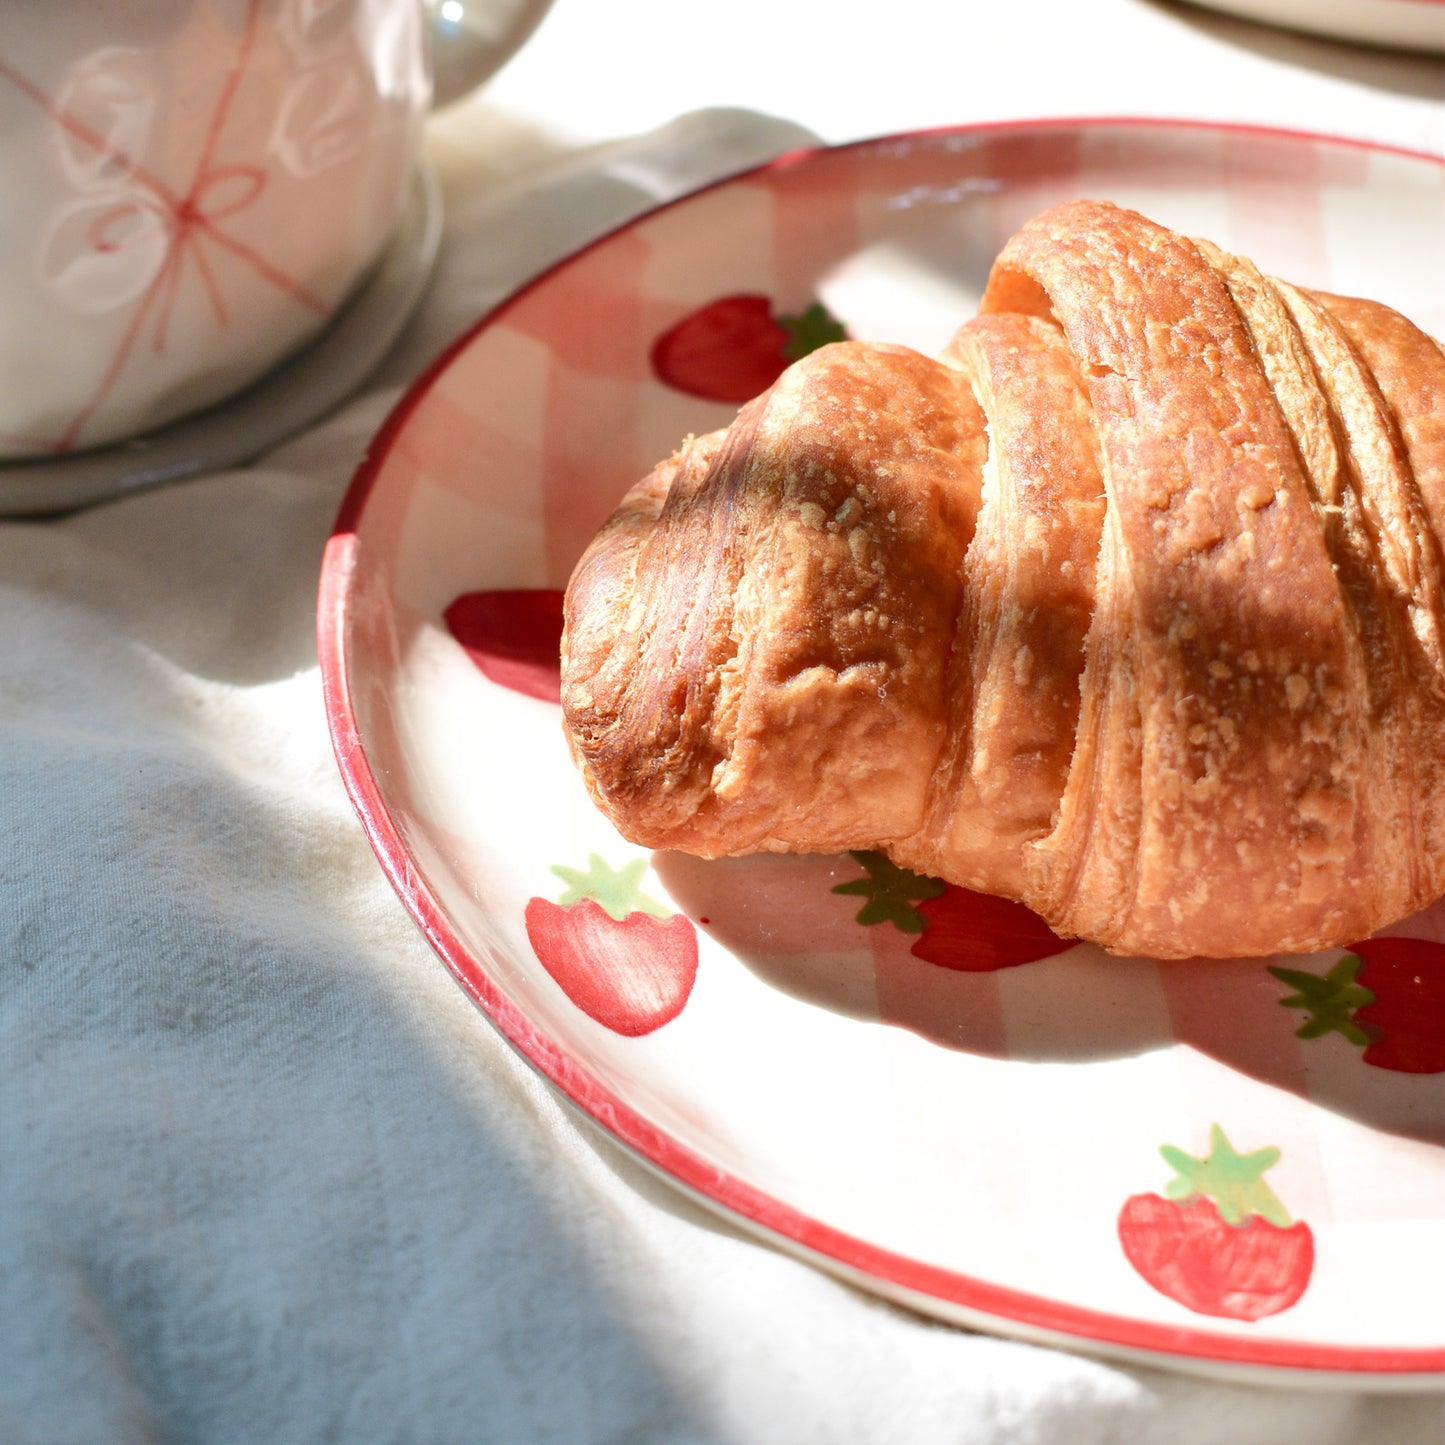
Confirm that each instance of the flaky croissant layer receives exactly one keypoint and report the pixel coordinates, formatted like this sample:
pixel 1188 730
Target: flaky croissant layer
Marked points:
pixel 1128 606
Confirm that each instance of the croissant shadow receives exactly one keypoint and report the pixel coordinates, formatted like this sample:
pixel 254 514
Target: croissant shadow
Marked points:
pixel 779 917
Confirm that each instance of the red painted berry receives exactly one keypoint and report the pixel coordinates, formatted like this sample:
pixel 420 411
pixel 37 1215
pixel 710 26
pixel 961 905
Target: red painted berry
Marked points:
pixel 514 637
pixel 622 958
pixel 736 347
pixel 1386 996
pixel 1218 1241
pixel 958 929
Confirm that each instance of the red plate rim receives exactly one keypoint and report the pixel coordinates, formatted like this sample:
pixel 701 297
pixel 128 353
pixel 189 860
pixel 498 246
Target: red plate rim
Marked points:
pixel 934 1291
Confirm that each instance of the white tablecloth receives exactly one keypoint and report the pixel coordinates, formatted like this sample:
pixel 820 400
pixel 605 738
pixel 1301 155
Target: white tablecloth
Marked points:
pixel 265 1173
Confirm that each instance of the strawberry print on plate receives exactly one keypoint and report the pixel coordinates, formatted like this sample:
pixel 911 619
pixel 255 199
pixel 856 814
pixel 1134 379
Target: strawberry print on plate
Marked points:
pixel 1219 1241
pixel 621 957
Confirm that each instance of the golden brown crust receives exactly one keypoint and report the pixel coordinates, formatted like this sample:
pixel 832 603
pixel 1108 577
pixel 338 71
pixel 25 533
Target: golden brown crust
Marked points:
pixel 1012 694
pixel 1129 606
pixel 1407 371
pixel 801 580
pixel 1223 601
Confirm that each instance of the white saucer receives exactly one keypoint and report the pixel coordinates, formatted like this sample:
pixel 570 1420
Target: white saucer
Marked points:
pixel 1395 24
pixel 297 392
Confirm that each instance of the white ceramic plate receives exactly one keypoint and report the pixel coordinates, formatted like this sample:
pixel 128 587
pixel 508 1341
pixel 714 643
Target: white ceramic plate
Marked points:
pixel 296 393
pixel 1400 24
pixel 974 1119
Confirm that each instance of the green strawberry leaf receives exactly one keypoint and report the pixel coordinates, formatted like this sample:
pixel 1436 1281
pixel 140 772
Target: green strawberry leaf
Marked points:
pixel 1330 1001
pixel 1233 1181
pixel 891 892
pixel 615 890
pixel 809 330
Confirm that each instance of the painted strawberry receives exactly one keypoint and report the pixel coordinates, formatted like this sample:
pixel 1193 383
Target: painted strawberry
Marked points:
pixel 514 637
pixel 959 929
pixel 735 347
pixel 623 959
pixel 1219 1241
pixel 1386 996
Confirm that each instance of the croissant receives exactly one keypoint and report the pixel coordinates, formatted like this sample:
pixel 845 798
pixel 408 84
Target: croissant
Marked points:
pixel 1127 606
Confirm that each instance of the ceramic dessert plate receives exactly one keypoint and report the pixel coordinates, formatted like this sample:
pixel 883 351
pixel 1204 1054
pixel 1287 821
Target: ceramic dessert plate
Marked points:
pixel 1234 1168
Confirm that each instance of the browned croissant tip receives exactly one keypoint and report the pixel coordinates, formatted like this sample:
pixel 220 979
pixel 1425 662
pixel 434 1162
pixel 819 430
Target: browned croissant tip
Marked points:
pixel 1128 606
